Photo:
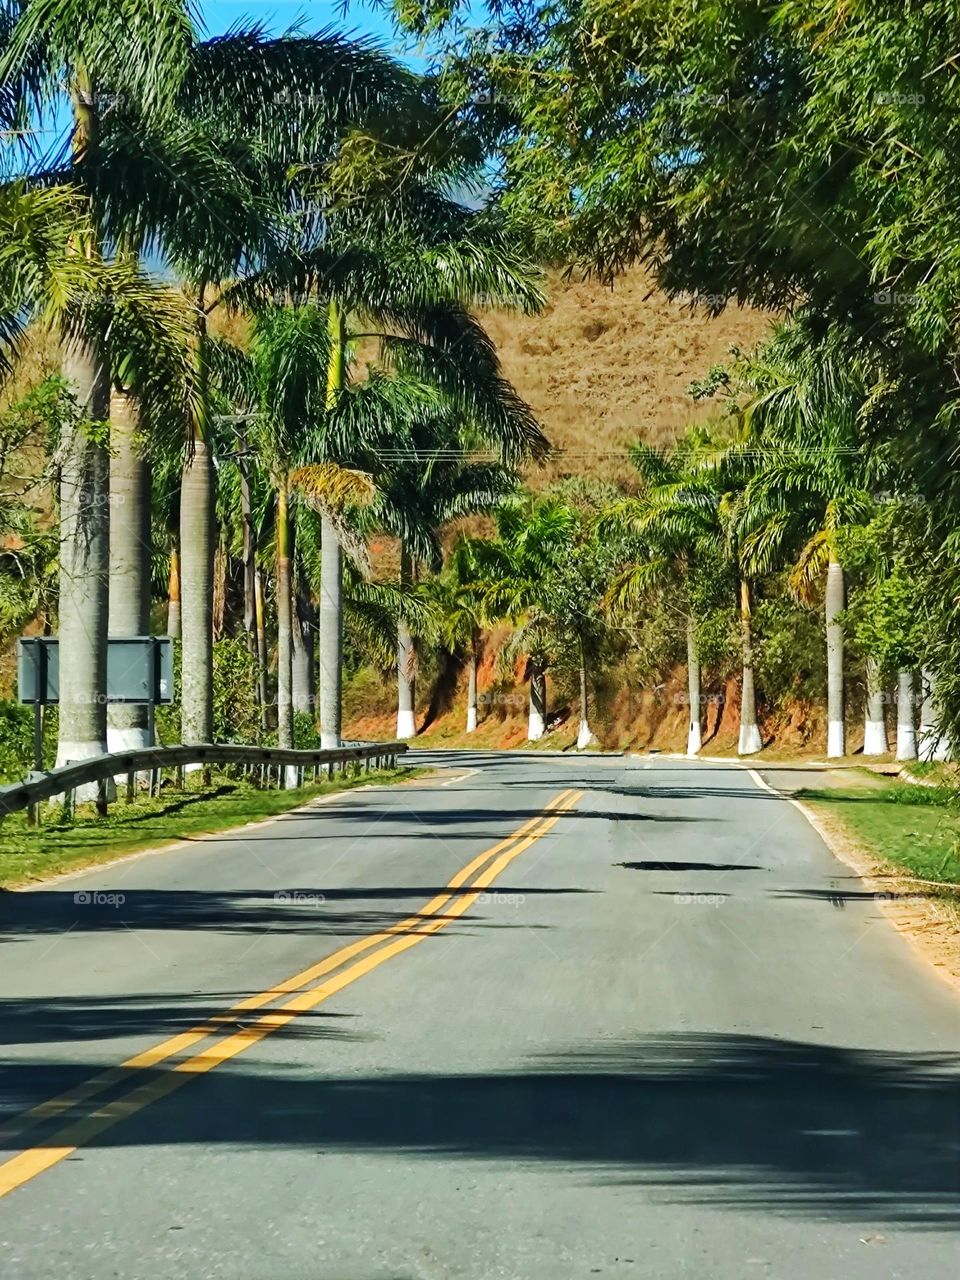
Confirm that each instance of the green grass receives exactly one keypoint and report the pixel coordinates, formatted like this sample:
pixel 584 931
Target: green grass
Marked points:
pixel 32 853
pixel 914 828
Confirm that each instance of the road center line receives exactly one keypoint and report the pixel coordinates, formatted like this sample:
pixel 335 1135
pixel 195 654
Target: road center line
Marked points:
pixel 28 1164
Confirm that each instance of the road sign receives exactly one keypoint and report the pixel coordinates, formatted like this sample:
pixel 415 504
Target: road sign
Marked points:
pixel 139 669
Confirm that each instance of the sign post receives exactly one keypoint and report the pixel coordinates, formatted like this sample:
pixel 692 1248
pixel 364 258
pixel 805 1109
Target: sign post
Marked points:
pixel 139 670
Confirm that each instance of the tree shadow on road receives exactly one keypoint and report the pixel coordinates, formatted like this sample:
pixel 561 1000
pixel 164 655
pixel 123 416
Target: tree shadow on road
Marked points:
pixel 791 1127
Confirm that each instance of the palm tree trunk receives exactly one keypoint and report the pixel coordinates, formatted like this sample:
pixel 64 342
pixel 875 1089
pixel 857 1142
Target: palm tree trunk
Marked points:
pixel 284 622
pixel 249 560
pixel 834 602
pixel 330 635
pixel 906 715
pixel 84 557
pixel 472 685
pixel 537 718
pixel 585 734
pixel 304 624
pixel 84 511
pixel 330 626
pixel 262 660
pixel 694 735
pixel 932 745
pixel 406 659
pixel 197 558
pixel 750 741
pixel 128 724
pixel 875 727
pixel 173 593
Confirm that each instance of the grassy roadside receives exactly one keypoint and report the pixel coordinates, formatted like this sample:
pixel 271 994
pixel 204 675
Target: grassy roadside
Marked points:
pixel 34 853
pixel 909 828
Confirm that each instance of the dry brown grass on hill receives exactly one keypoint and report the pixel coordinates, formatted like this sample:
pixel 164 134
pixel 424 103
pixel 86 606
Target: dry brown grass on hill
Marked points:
pixel 604 366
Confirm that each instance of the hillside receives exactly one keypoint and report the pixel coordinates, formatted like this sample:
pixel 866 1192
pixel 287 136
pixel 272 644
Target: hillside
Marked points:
pixel 605 366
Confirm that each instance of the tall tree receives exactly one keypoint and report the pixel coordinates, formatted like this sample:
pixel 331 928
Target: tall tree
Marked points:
pixel 427 481
pixel 138 51
pixel 810 477
pixel 533 538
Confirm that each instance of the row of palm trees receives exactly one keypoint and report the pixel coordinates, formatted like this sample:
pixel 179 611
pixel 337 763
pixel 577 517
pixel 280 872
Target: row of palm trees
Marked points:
pixel 788 482
pixel 310 184
pixel 785 490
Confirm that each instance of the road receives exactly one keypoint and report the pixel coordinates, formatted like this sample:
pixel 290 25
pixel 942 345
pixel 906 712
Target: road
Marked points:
pixel 535 1017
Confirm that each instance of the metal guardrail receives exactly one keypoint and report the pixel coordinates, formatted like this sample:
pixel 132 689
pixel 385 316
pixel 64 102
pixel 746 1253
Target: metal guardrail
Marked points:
pixel 153 760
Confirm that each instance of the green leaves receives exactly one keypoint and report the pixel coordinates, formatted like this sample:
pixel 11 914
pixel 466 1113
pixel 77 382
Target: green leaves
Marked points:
pixel 139 49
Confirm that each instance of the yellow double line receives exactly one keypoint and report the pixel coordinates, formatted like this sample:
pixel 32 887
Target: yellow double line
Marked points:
pixel 381 947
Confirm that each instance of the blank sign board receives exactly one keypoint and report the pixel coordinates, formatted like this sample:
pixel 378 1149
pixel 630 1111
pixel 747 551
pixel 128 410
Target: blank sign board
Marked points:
pixel 139 669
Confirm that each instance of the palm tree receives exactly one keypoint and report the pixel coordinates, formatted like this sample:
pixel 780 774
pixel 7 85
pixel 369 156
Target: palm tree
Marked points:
pixel 533 537
pixel 428 481
pixel 279 387
pixel 200 153
pixel 809 481
pixel 459 599
pixel 137 50
pixel 400 272
pixel 677 527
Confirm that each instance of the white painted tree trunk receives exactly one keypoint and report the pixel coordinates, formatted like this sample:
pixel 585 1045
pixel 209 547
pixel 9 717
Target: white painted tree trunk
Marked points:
pixel 406 662
pixel 750 741
pixel 585 735
pixel 875 724
pixel 931 745
pixel 84 562
pixel 304 684
pixel 834 602
pixel 472 686
pixel 196 552
pixel 537 718
pixel 694 732
pixel 129 725
pixel 330 636
pixel 84 524
pixel 406 684
pixel 906 716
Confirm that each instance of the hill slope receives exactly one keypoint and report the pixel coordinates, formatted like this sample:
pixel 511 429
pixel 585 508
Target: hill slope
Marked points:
pixel 604 366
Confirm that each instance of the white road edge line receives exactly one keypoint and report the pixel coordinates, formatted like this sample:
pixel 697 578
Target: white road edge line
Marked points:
pixel 459 777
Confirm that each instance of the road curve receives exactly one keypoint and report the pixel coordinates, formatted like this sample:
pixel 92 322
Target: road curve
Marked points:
pixel 537 1017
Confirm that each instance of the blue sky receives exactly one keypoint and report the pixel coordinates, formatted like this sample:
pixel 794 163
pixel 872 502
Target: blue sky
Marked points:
pixel 360 19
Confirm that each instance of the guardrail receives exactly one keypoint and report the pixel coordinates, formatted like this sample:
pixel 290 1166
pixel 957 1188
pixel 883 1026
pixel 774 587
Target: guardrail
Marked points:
pixel 259 761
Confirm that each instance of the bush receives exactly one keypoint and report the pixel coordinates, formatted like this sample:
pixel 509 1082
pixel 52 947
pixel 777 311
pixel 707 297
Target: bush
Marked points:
pixel 16 741
pixel 306 735
pixel 236 716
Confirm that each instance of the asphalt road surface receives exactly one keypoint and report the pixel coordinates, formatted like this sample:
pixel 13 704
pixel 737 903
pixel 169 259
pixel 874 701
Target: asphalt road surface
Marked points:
pixel 539 1018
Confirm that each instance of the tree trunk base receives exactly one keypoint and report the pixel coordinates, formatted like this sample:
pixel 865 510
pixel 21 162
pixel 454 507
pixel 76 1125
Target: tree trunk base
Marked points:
pixel 750 741
pixel 535 727
pixel 128 738
pixel 330 741
pixel 875 738
pixel 933 747
pixel 77 753
pixel 406 725
pixel 694 740
pixel 836 740
pixel 906 742
pixel 471 719
pixel 586 737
